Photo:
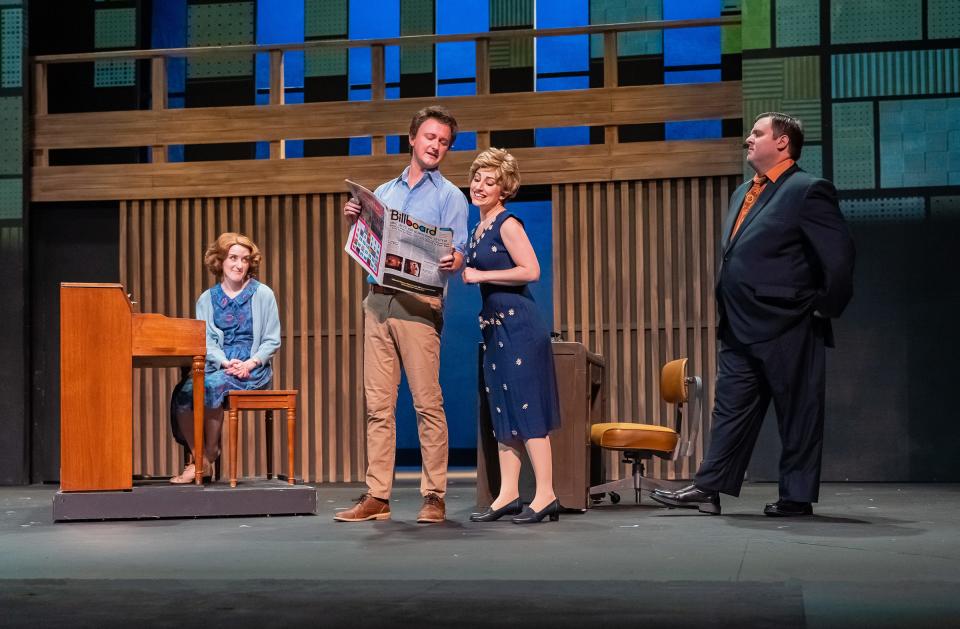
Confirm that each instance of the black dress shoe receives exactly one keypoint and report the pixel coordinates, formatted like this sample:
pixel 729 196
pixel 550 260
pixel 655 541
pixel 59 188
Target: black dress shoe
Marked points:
pixel 690 497
pixel 491 514
pixel 787 509
pixel 529 516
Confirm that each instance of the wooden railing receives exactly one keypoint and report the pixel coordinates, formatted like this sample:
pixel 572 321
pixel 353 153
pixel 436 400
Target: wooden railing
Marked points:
pixel 160 127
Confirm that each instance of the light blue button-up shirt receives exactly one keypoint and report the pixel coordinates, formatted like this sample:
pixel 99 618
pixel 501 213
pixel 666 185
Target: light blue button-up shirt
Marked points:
pixel 433 200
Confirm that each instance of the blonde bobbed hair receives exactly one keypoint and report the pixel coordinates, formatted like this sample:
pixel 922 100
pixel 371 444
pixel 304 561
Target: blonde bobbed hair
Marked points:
pixel 508 172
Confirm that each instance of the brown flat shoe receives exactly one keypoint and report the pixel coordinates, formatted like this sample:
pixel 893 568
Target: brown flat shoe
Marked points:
pixel 367 508
pixel 434 510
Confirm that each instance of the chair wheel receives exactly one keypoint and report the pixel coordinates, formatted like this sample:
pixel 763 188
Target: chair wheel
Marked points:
pixel 614 497
pixel 596 498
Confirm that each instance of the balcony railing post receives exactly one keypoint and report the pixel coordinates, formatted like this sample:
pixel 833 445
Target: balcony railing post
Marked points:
pixel 278 148
pixel 483 84
pixel 41 157
pixel 378 91
pixel 158 101
pixel 610 78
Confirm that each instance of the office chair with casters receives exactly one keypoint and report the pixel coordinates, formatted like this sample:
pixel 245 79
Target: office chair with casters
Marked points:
pixel 638 442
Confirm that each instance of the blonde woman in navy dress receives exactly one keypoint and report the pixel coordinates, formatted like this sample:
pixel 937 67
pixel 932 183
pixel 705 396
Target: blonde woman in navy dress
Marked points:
pixel 518 367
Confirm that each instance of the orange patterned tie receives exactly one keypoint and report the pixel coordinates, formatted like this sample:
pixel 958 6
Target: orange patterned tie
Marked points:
pixel 759 181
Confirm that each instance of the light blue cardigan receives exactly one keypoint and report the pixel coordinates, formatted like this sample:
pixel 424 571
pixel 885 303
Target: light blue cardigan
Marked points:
pixel 266 328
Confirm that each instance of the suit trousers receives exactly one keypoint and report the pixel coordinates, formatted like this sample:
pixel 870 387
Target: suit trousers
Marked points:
pixel 790 370
pixel 402 332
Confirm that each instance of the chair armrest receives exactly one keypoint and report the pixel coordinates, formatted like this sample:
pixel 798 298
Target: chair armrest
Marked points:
pixel 687 447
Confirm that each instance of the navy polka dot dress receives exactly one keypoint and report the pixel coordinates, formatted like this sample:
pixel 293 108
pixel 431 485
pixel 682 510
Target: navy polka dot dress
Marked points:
pixel 518 367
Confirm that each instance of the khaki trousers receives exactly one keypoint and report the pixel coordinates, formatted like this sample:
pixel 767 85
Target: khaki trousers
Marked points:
pixel 402 332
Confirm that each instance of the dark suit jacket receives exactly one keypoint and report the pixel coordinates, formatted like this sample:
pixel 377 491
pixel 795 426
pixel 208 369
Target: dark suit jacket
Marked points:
pixel 792 255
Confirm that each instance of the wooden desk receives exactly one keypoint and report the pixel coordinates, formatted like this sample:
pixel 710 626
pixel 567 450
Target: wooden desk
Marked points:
pixel 101 341
pixel 582 403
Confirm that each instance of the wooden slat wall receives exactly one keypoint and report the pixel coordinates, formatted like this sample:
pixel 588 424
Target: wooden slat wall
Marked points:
pixel 318 290
pixel 629 256
pixel 634 267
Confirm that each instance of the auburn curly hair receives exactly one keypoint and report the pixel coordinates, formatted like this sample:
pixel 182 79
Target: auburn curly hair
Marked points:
pixel 217 251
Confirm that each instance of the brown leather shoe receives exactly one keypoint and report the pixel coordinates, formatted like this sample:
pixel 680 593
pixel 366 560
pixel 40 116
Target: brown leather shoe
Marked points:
pixel 434 510
pixel 367 508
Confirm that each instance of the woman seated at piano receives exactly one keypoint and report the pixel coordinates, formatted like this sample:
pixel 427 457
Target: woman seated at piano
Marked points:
pixel 243 334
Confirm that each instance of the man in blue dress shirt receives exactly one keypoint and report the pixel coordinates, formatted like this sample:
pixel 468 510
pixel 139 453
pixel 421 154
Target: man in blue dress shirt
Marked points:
pixel 402 330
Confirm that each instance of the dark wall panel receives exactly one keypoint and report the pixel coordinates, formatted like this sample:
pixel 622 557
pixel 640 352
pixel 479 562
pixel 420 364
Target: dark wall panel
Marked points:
pixel 68 243
pixel 891 412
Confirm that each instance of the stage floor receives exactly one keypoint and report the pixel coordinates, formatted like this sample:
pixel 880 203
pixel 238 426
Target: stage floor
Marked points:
pixel 874 555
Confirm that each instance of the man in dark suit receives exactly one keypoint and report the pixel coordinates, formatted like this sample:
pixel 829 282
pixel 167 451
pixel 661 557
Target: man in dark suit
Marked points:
pixel 786 268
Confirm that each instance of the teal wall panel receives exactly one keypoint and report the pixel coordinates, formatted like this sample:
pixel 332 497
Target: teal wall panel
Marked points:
pixel 11 42
pixel 945 207
pixel 798 23
pixel 11 199
pixel 920 142
pixel 943 19
pixel 853 145
pixel 11 135
pixel 811 159
pixel 896 73
pixel 884 209
pixel 628 44
pixel 860 21
pixel 114 28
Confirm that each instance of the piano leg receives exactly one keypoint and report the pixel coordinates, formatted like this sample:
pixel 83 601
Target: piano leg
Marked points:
pixel 198 365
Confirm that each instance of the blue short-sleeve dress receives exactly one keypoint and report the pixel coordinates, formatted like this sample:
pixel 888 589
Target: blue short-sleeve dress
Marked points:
pixel 518 369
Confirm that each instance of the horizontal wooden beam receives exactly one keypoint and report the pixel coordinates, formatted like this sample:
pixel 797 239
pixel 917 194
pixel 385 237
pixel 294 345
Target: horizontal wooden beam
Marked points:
pixel 484 112
pixel 556 165
pixel 407 40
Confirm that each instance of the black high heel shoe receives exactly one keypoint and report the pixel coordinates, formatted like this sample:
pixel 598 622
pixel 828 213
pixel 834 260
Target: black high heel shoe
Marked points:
pixel 491 514
pixel 529 516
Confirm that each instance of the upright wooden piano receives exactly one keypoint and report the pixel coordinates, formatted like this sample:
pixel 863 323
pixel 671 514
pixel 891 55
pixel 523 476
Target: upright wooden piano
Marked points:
pixel 102 339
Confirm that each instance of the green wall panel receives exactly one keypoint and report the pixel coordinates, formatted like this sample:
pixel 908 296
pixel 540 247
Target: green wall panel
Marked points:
pixel 11 43
pixel 416 18
pixel 897 73
pixel 324 18
pixel 325 63
pixel 730 36
pixel 511 13
pixel 859 21
pixel 798 23
pixel 755 24
pixel 853 145
pixel 220 24
pixel 943 19
pixel 763 78
pixel 810 114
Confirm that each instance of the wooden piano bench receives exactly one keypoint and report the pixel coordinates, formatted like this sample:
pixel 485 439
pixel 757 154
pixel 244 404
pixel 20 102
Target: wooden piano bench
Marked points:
pixel 266 400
